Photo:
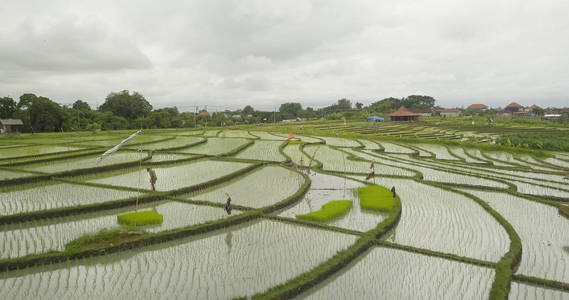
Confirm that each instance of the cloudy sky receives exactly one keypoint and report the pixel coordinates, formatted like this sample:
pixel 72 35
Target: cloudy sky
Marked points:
pixel 230 53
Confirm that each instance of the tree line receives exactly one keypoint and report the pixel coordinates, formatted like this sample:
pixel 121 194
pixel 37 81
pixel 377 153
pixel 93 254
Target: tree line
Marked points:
pixel 131 110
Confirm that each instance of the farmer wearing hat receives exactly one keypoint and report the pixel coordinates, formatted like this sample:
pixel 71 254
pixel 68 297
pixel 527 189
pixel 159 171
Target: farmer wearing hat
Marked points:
pixel 153 177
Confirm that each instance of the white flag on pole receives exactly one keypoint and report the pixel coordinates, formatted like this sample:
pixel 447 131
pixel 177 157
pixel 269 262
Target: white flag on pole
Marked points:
pixel 117 147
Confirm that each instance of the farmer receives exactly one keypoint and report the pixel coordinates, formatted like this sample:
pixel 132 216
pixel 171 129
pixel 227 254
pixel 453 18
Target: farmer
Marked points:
pixel 393 192
pixel 228 204
pixel 153 177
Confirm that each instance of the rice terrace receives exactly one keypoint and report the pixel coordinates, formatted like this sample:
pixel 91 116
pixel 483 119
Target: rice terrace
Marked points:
pixel 318 210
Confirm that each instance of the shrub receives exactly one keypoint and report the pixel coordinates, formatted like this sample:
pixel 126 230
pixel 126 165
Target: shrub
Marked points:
pixel 328 211
pixel 375 197
pixel 140 218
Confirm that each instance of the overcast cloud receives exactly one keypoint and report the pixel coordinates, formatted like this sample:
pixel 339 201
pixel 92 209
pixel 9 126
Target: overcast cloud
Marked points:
pixel 227 54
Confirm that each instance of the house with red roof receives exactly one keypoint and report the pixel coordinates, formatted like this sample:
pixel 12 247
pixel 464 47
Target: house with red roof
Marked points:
pixel 404 115
pixel 513 107
pixel 477 108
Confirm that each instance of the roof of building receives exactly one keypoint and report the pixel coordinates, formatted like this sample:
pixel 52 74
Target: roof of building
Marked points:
pixel 403 112
pixel 204 113
pixel 477 106
pixel 514 104
pixel 533 107
pixel 421 110
pixel 449 110
pixel 11 122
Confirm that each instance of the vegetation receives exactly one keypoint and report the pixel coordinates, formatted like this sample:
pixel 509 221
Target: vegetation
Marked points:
pixel 103 239
pixel 376 198
pixel 140 218
pixel 564 211
pixel 330 210
pixel 558 142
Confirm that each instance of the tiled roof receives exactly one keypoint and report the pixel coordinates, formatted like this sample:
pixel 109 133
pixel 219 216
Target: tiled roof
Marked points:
pixel 403 112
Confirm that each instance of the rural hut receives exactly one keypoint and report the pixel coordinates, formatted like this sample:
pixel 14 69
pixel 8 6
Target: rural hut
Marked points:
pixel 404 115
pixel 10 126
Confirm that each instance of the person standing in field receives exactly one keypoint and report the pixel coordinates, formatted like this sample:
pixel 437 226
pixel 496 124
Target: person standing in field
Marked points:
pixel 228 204
pixel 153 178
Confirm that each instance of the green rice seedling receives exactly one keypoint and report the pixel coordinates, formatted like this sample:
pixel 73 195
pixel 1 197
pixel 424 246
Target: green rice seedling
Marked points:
pixel 375 197
pixel 330 210
pixel 140 218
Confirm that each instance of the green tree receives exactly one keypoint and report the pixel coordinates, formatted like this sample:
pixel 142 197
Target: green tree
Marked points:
pixel 359 105
pixel 538 111
pixel 418 101
pixel 385 105
pixel 46 115
pixel 81 105
pixel 290 110
pixel 248 110
pixel 127 105
pixel 109 121
pixel 344 104
pixel 8 107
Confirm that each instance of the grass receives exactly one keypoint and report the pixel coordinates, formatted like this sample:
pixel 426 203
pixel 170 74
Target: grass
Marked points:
pixel 140 218
pixel 564 211
pixel 375 197
pixel 292 142
pixel 330 210
pixel 100 240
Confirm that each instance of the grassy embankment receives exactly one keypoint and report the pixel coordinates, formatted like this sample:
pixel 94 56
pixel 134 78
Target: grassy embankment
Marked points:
pixel 100 240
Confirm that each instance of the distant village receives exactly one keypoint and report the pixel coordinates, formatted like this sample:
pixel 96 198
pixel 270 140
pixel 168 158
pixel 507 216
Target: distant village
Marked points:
pixel 512 110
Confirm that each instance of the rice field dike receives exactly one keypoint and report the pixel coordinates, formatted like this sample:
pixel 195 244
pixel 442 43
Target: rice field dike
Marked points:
pixel 307 210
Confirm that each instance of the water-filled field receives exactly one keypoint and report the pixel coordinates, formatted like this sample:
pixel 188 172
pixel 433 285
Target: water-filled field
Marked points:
pixel 263 187
pixel 215 146
pixel 304 220
pixel 6 153
pixel 174 177
pixel 326 188
pixel 393 274
pixel 7 174
pixel 53 195
pixel 84 162
pixel 34 237
pixel 263 150
pixel 221 265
